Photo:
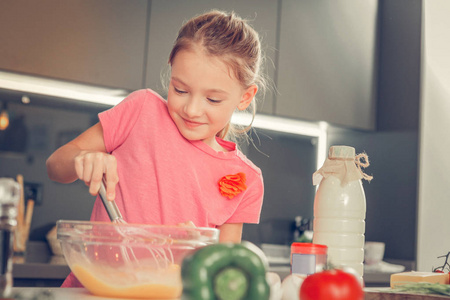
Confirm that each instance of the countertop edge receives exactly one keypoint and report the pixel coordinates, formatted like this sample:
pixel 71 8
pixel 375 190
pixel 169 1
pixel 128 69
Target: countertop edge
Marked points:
pixel 40 271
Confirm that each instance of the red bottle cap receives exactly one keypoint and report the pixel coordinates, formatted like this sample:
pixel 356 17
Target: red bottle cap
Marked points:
pixel 308 248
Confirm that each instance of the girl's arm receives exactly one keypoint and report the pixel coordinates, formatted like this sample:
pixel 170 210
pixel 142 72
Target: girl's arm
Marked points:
pixel 85 158
pixel 230 232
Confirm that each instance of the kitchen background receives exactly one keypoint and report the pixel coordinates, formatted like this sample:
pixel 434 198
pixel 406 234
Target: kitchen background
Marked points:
pixel 356 65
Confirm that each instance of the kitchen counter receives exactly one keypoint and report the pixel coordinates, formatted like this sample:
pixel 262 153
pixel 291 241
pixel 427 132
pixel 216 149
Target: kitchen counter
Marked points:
pixel 57 294
pixel 83 294
pixel 371 279
pixel 52 272
pixel 38 267
pixel 386 294
pixel 279 262
pixel 383 279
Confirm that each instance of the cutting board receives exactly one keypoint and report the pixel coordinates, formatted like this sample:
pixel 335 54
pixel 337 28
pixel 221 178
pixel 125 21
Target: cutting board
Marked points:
pixel 379 294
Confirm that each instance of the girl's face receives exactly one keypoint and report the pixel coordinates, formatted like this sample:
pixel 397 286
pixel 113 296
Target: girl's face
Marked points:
pixel 203 95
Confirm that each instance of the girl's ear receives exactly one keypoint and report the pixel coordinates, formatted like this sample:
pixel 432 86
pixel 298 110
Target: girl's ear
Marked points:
pixel 247 97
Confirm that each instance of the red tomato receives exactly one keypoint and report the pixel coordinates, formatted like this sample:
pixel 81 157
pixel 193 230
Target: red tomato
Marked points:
pixel 331 285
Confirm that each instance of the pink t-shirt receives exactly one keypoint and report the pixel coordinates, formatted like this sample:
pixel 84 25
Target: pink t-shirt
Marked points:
pixel 166 179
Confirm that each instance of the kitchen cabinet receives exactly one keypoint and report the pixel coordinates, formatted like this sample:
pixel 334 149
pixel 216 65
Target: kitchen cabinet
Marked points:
pixel 327 54
pixel 167 17
pixel 320 55
pixel 98 42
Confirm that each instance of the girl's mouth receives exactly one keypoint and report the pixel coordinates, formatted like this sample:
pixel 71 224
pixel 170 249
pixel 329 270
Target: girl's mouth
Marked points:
pixel 191 124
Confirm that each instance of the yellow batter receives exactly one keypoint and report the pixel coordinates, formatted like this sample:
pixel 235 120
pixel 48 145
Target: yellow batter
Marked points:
pixel 140 291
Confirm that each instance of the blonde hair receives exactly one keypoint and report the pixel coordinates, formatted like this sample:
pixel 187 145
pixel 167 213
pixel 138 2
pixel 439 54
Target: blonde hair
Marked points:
pixel 231 38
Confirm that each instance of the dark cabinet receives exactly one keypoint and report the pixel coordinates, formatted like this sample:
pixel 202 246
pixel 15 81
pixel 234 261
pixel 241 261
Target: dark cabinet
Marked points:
pixel 327 57
pixel 99 42
pixel 320 54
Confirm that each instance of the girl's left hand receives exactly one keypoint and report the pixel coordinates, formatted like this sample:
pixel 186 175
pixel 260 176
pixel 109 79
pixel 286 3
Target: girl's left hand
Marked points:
pixel 191 233
pixel 187 224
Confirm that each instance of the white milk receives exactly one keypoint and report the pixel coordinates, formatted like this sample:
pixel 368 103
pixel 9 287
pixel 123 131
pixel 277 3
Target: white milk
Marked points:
pixel 339 217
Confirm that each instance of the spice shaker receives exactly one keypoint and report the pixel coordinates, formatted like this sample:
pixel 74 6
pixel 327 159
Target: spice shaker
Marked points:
pixel 9 197
pixel 307 258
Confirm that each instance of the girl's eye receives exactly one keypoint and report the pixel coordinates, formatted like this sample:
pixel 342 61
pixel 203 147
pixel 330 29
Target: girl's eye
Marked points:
pixel 214 101
pixel 179 91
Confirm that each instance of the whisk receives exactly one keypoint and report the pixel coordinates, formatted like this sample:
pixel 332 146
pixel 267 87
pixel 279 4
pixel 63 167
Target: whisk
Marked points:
pixel 131 233
pixel 111 207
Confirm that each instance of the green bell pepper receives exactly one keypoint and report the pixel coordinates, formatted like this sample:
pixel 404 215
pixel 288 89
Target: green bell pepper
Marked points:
pixel 224 272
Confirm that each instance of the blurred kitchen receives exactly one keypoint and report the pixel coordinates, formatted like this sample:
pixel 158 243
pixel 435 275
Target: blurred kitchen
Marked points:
pixel 343 73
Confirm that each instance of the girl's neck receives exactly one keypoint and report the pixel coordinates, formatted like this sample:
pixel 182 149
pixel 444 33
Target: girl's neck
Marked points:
pixel 215 145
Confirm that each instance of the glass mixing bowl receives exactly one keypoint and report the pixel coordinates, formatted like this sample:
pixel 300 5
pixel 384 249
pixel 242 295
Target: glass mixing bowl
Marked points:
pixel 130 260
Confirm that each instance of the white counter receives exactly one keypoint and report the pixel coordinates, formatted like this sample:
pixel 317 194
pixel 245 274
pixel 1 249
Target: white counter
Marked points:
pixel 61 293
pixel 371 279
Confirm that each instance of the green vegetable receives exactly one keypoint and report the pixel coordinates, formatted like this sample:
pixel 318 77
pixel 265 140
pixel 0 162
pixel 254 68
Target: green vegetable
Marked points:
pixel 231 283
pixel 224 272
pixel 423 288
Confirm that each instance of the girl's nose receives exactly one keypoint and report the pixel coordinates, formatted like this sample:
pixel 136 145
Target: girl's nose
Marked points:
pixel 193 107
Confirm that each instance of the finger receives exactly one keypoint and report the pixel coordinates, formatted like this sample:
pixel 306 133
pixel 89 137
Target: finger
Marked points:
pixel 79 169
pixel 96 173
pixel 190 224
pixel 112 178
pixel 187 224
pixel 87 167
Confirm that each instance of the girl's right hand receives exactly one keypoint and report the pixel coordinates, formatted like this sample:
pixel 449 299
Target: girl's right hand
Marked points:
pixel 92 166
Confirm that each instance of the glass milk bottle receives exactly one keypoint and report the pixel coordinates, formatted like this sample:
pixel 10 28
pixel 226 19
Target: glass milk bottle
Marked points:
pixel 340 208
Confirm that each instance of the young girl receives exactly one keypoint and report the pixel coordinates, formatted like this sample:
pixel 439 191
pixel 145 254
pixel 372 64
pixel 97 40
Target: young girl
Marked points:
pixel 167 162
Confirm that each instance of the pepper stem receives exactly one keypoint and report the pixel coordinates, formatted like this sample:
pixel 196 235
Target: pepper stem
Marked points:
pixel 231 284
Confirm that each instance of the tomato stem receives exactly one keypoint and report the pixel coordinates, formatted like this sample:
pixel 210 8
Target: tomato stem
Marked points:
pixel 445 265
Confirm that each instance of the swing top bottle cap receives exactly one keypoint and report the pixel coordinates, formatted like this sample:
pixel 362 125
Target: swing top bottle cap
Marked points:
pixel 341 152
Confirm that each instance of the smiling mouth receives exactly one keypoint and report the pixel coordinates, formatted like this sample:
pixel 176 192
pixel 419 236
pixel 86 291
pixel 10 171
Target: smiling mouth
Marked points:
pixel 190 123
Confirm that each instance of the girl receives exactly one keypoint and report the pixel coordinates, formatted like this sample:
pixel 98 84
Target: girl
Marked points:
pixel 167 162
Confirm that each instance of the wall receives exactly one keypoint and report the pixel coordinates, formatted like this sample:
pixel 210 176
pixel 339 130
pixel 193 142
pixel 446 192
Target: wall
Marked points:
pixel 287 162
pixel 47 129
pixel 434 181
pixel 391 196
pixel 393 147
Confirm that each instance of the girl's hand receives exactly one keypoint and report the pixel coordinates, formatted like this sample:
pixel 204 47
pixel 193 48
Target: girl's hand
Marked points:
pixel 191 233
pixel 92 166
pixel 187 224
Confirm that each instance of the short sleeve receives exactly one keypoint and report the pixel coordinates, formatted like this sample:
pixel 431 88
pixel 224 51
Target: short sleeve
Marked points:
pixel 249 210
pixel 117 122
